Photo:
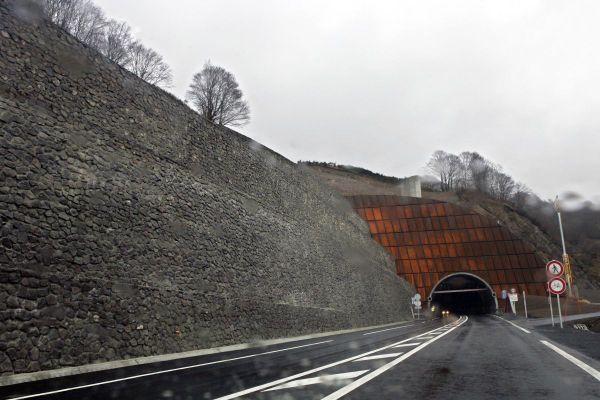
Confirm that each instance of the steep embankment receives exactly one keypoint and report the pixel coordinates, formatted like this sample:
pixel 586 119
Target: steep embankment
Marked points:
pixel 130 227
pixel 348 180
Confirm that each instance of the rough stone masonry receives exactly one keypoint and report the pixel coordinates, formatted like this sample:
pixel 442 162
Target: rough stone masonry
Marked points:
pixel 130 227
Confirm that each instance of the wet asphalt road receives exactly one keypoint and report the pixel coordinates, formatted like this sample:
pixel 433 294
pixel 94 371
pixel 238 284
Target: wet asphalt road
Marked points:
pixel 480 357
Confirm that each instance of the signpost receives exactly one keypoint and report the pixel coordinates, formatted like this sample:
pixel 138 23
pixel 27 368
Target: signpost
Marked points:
pixel 556 285
pixel 567 263
pixel 416 301
pixel 513 297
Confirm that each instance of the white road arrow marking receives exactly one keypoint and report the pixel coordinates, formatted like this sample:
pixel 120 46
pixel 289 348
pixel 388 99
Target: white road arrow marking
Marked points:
pixel 335 379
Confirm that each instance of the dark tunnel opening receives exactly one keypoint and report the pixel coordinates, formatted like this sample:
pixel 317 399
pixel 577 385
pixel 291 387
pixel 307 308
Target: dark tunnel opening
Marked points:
pixel 463 294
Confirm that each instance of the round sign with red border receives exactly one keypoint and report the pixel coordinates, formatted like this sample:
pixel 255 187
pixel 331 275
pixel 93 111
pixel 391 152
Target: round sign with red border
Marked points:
pixel 555 268
pixel 557 285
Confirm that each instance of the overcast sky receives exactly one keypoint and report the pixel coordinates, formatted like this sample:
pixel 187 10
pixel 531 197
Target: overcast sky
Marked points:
pixel 382 85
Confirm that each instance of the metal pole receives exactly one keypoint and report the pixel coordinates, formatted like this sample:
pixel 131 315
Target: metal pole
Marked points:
pixel 525 304
pixel 562 238
pixel 411 310
pixel 559 312
pixel 551 311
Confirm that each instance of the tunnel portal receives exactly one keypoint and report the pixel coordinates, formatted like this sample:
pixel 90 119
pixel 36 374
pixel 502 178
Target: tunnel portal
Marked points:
pixel 430 239
pixel 463 293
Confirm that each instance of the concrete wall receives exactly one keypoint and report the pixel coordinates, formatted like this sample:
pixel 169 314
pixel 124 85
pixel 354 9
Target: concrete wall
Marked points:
pixel 129 227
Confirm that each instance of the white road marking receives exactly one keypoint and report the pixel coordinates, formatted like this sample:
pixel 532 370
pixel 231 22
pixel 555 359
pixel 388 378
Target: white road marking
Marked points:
pixel 312 371
pixel 378 356
pixel 513 324
pixel 427 337
pixel 29 396
pixel 407 345
pixel 361 381
pixel 323 379
pixel 593 372
pixel 389 329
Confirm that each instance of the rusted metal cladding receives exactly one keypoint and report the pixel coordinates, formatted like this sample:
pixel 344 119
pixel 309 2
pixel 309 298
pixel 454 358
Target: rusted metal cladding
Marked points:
pixel 430 239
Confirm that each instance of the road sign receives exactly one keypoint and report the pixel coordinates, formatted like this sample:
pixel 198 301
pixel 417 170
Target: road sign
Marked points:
pixel 513 297
pixel 416 301
pixel 555 268
pixel 557 285
pixel 513 290
pixel 503 294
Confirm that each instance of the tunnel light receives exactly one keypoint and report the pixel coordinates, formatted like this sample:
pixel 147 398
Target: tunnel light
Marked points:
pixel 433 309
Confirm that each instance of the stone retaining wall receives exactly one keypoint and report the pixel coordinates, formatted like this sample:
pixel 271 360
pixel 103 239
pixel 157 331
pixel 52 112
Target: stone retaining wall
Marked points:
pixel 129 227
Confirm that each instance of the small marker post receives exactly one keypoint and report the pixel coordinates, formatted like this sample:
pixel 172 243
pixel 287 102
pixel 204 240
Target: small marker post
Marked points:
pixel 525 304
pixel 559 312
pixel 551 311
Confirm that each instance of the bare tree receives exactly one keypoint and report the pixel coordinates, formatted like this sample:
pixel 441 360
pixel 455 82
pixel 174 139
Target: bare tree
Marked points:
pixel 446 166
pixel 61 12
pixel 149 65
pixel 87 22
pixel 502 186
pixel 116 41
pixel 479 171
pixel 521 195
pixel 217 97
pixel 81 18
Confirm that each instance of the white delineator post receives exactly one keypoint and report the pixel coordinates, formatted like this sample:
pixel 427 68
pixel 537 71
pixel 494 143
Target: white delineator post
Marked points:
pixel 559 311
pixel 525 304
pixel 551 311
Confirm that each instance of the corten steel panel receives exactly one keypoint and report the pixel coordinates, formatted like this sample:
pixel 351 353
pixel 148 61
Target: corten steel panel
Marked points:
pixel 431 239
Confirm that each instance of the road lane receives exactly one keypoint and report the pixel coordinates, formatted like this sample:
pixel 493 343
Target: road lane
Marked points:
pixel 227 372
pixel 486 358
pixel 477 358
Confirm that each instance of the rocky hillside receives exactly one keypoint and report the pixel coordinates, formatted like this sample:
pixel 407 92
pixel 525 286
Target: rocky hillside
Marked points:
pixel 522 224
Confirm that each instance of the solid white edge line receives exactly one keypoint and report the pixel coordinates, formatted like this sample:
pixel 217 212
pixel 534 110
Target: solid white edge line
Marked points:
pixel 389 329
pixel 301 374
pixel 8 380
pixel 29 396
pixel 513 324
pixel 593 372
pixel 361 381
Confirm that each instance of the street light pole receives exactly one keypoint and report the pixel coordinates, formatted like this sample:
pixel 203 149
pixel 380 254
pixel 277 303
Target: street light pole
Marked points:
pixel 566 261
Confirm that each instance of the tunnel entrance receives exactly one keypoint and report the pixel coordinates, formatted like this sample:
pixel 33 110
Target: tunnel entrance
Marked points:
pixel 463 293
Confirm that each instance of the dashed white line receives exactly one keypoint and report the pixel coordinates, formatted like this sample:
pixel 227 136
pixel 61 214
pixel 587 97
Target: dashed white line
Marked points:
pixel 593 372
pixel 389 329
pixel 361 381
pixel 513 324
pixel 30 396
pixel 378 357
